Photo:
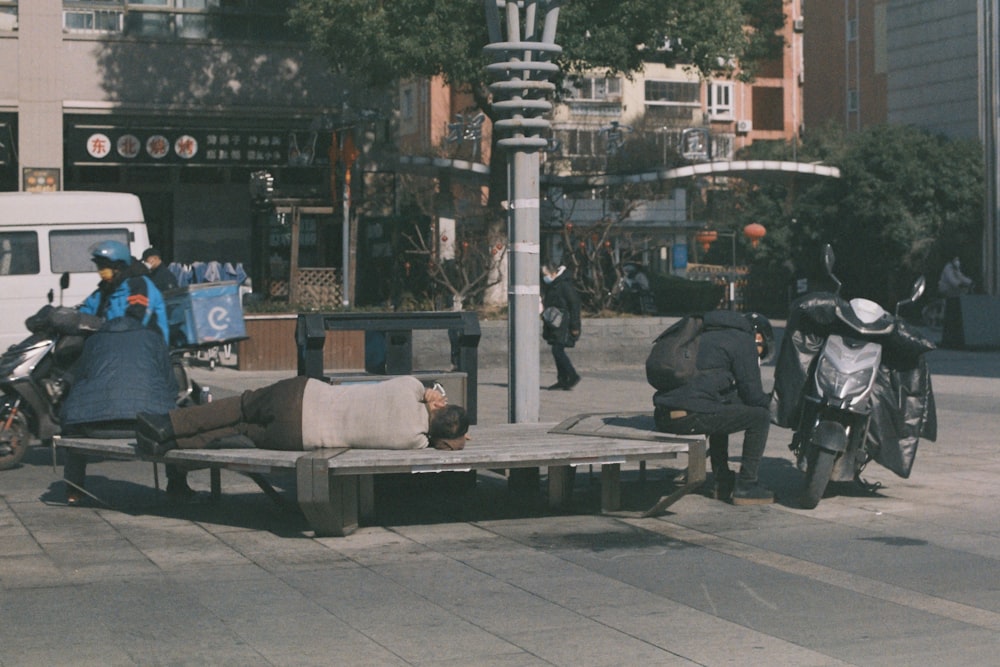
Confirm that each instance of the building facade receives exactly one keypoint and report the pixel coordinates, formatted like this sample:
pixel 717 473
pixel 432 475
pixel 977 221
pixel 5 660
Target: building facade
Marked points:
pixel 177 101
pixel 923 63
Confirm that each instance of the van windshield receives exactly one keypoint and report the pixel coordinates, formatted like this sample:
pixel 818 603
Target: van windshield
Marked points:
pixel 70 250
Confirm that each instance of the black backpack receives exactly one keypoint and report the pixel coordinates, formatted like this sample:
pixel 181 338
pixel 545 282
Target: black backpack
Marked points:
pixel 673 360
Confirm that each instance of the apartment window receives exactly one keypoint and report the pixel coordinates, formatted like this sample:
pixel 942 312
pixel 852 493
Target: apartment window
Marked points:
pixel 595 89
pixel 258 20
pixel 852 101
pixel 768 108
pixel 720 100
pixel 579 142
pixel 852 30
pixel 671 92
pixel 8 15
pixel 672 100
pixel 83 16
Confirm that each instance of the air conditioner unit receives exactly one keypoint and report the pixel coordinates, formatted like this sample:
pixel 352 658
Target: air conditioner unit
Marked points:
pixel 799 24
pixel 744 126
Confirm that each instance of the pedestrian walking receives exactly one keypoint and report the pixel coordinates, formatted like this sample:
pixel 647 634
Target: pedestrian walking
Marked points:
pixel 560 322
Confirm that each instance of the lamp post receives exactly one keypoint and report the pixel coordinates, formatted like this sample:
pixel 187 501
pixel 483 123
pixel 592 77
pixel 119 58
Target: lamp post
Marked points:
pixel 521 65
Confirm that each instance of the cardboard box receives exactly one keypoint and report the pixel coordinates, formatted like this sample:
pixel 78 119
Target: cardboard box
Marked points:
pixel 205 314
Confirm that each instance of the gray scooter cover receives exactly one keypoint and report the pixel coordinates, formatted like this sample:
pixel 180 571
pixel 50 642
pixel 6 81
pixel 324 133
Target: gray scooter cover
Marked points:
pixel 903 408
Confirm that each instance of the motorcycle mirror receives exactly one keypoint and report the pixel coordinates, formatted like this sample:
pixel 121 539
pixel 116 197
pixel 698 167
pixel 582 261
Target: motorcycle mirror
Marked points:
pixel 63 284
pixel 51 297
pixel 919 285
pixel 828 260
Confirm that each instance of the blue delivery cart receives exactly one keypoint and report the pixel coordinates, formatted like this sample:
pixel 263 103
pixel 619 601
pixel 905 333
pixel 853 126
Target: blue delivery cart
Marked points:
pixel 205 316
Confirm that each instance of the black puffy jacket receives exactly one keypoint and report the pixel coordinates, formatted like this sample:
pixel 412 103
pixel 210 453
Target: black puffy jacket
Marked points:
pixel 125 369
pixel 728 368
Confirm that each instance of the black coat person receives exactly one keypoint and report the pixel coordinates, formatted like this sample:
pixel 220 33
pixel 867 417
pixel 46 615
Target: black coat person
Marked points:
pixel 726 396
pixel 560 322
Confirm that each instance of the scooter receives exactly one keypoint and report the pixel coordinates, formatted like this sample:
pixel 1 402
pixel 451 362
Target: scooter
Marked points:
pixel 33 372
pixel 851 381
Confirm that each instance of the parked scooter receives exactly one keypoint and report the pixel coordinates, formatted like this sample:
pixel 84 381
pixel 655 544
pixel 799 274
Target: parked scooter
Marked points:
pixel 33 372
pixel 852 382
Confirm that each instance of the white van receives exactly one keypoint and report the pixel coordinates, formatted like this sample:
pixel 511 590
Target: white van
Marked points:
pixel 45 234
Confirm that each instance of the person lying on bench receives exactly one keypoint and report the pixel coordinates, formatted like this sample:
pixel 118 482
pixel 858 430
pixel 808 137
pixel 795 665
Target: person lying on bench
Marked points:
pixel 304 414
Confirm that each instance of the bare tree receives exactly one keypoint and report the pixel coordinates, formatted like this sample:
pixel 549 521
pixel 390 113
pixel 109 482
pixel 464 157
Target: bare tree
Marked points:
pixel 457 253
pixel 597 252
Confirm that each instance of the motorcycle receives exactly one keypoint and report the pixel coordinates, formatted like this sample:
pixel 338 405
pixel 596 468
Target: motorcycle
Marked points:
pixel 852 383
pixel 33 377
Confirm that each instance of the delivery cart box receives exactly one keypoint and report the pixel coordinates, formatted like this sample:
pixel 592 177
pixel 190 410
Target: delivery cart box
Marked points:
pixel 205 314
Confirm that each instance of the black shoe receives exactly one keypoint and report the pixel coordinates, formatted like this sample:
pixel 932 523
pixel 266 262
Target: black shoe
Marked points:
pixel 751 493
pixel 154 426
pixel 570 383
pixel 149 447
pixel 725 480
pixel 557 385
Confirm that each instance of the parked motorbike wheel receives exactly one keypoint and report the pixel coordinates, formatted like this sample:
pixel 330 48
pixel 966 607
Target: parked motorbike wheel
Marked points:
pixel 819 468
pixel 15 437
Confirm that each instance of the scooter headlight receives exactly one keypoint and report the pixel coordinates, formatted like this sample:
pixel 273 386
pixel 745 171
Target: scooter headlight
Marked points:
pixel 832 382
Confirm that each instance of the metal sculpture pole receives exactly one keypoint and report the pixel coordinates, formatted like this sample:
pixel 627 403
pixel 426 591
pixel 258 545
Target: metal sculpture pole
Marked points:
pixel 522 64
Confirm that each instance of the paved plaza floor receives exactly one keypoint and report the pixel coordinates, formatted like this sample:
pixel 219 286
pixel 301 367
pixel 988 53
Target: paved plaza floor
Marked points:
pixel 451 577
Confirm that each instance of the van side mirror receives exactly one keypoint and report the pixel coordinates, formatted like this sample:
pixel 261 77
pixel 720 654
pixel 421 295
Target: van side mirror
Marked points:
pixel 64 280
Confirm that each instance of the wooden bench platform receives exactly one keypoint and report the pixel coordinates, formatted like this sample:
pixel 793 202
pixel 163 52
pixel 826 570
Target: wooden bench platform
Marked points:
pixel 335 487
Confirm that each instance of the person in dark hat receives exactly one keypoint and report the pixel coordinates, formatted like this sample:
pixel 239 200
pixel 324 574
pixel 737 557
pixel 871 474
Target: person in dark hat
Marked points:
pixel 158 271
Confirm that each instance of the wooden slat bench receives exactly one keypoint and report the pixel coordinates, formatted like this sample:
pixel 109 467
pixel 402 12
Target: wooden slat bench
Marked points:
pixel 335 486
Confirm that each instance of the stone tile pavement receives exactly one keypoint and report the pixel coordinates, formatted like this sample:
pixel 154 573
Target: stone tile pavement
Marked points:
pixel 903 577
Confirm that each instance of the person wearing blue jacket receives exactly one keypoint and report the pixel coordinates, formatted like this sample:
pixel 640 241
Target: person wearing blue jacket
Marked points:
pixel 125 289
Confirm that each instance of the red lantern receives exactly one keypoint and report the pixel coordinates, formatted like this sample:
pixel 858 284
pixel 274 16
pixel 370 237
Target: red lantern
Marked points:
pixel 406 265
pixel 583 246
pixel 705 238
pixel 444 239
pixel 755 232
pixel 569 227
pixel 465 245
pixel 607 244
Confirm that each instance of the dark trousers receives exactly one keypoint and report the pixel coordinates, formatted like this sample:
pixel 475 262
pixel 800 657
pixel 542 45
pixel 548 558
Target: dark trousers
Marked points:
pixel 271 417
pixel 754 422
pixel 565 372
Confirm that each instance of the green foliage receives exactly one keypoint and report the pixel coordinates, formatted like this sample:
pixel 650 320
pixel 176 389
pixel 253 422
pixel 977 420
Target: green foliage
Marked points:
pixel 906 201
pixel 380 41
